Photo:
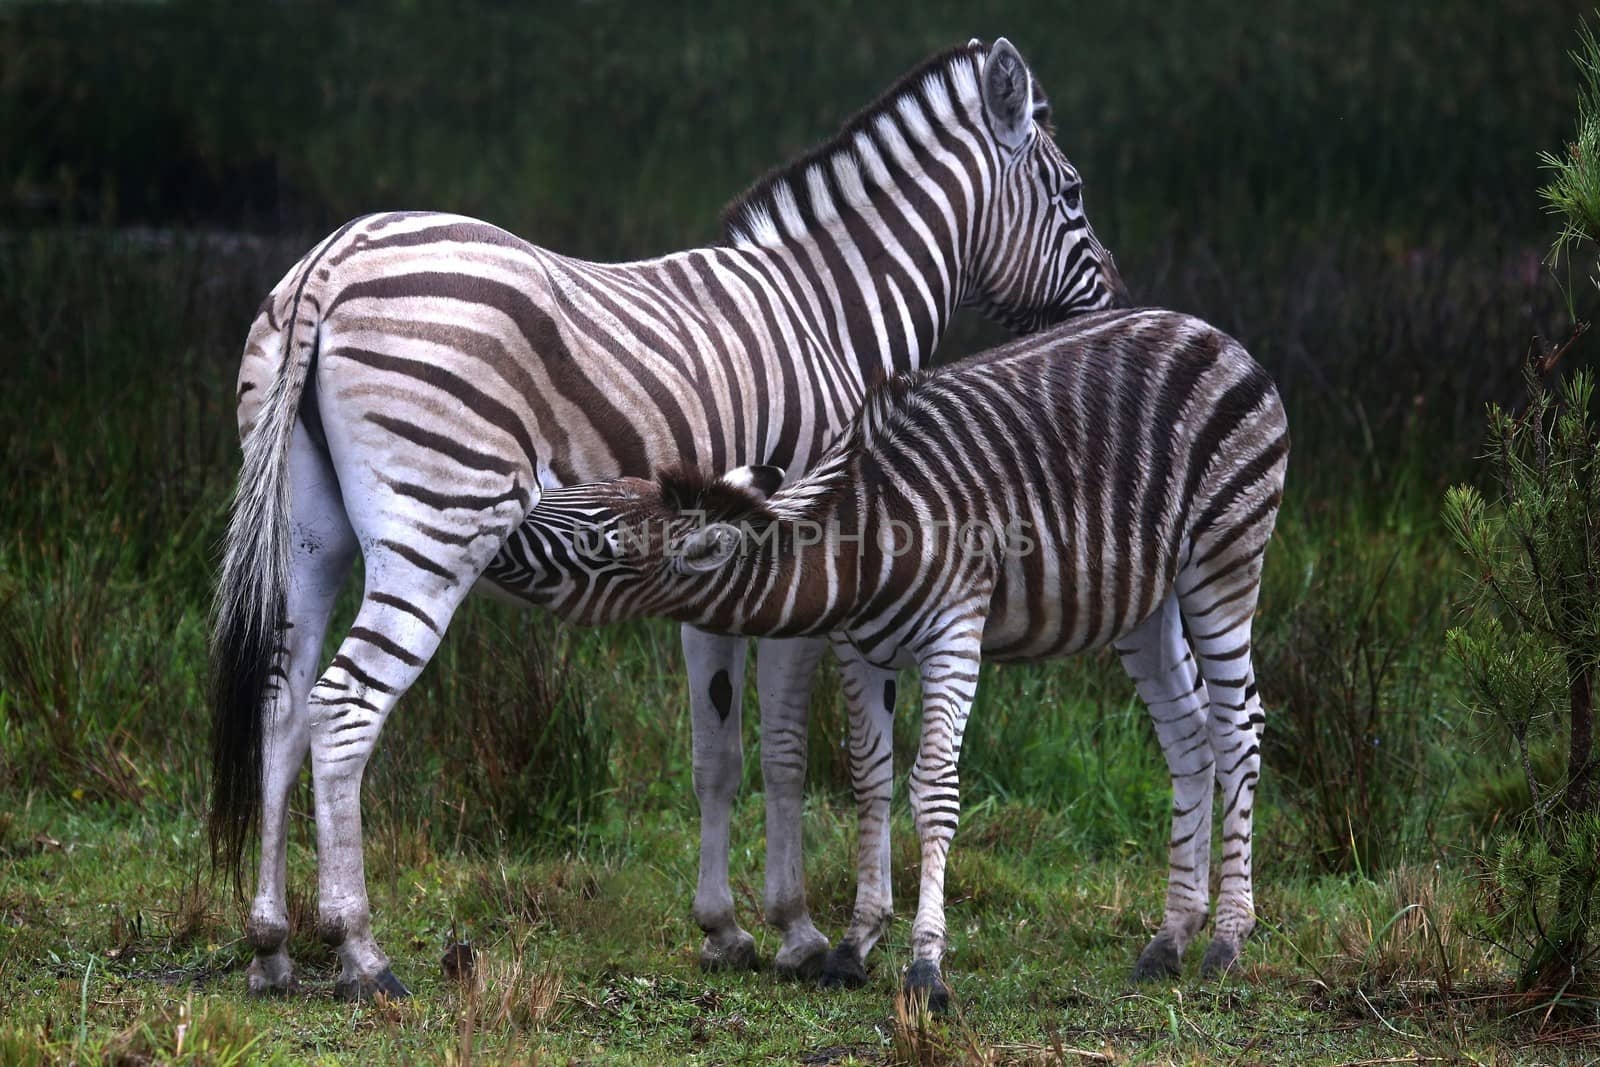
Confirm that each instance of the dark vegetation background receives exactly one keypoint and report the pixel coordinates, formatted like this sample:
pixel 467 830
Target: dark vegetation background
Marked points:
pixel 1348 189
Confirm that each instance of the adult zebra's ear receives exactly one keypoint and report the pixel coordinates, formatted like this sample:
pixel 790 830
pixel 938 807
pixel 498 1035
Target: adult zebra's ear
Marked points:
pixel 709 548
pixel 1007 94
pixel 763 479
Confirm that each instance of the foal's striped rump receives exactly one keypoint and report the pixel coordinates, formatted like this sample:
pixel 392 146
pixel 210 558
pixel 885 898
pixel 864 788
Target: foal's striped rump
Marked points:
pixel 1127 469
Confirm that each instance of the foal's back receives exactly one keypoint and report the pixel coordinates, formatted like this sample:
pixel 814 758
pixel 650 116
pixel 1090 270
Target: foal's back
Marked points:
pixel 1092 460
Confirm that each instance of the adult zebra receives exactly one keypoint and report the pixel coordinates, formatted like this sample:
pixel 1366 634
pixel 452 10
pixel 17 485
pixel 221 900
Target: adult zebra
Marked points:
pixel 409 386
pixel 1113 481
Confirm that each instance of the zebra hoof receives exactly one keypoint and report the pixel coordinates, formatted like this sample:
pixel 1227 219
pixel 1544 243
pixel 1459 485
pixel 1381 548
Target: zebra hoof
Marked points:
pixel 802 962
pixel 923 982
pixel 384 984
pixel 1159 960
pixel 842 969
pixel 1222 956
pixel 738 956
pixel 271 975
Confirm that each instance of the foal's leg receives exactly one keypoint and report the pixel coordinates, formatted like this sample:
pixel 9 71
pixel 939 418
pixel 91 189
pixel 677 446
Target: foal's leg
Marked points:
pixel 321 548
pixel 716 689
pixel 1158 659
pixel 785 670
pixel 870 692
pixel 1219 603
pixel 949 682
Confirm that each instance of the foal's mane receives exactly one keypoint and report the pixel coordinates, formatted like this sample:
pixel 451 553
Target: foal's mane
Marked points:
pixel 688 489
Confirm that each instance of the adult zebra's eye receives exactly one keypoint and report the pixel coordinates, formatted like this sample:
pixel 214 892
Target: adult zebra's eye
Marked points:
pixel 1073 197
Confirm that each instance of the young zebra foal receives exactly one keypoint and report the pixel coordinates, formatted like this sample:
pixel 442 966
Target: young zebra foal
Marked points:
pixel 1114 481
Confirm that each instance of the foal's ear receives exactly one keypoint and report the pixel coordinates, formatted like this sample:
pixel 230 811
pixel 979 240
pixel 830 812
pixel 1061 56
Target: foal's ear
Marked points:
pixel 707 549
pixel 1007 94
pixel 762 480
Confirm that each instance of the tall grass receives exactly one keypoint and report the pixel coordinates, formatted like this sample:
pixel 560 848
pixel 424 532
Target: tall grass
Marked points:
pixel 523 732
pixel 1364 734
pixel 1297 119
pixel 119 468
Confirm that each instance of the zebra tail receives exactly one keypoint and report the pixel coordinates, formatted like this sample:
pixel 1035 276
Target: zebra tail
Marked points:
pixel 250 612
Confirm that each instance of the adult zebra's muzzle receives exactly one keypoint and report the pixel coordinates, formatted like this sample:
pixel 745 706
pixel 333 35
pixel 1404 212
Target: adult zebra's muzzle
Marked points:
pixel 1115 286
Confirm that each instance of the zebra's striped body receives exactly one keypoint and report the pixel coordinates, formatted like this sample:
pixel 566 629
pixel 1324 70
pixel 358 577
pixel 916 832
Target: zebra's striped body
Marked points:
pixel 411 384
pixel 1113 481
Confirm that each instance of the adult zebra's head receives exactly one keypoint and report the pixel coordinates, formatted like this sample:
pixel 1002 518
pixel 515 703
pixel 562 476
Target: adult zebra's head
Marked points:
pixel 631 548
pixel 1038 260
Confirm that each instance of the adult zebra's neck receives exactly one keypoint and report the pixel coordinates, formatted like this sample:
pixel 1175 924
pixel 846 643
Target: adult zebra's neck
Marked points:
pixel 871 233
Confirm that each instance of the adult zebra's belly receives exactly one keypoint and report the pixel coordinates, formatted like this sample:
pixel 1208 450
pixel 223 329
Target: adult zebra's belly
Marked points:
pixel 505 594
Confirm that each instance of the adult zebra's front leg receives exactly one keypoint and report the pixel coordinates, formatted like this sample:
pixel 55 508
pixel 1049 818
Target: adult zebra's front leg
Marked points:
pixel 785 670
pixel 949 683
pixel 716 697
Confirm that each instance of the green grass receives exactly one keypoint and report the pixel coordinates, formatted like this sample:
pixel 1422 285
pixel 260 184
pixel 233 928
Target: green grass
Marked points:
pixel 101 899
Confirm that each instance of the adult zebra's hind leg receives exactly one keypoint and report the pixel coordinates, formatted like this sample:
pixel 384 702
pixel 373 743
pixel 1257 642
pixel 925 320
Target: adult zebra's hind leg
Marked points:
pixel 403 615
pixel 421 560
pixel 1158 659
pixel 322 546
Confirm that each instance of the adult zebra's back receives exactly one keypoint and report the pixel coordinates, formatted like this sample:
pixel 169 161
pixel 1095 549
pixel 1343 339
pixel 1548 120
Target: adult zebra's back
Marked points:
pixel 409 386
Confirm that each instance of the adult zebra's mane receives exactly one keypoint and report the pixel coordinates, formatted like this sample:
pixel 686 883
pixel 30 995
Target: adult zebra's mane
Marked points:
pixel 753 217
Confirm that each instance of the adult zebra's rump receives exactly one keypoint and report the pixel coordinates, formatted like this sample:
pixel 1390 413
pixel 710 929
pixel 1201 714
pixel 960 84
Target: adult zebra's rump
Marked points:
pixel 408 387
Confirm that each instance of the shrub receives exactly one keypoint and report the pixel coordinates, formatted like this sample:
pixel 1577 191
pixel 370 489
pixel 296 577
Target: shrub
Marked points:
pixel 1531 637
pixel 1530 644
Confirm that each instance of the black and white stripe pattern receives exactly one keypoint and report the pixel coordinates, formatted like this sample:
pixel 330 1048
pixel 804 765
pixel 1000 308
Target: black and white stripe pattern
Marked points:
pixel 1114 481
pixel 410 385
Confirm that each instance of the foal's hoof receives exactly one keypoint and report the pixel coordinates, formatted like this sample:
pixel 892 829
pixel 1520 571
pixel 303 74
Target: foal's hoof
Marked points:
pixel 385 984
pixel 460 962
pixel 1159 960
pixel 1222 956
pixel 842 969
pixel 923 980
pixel 738 956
